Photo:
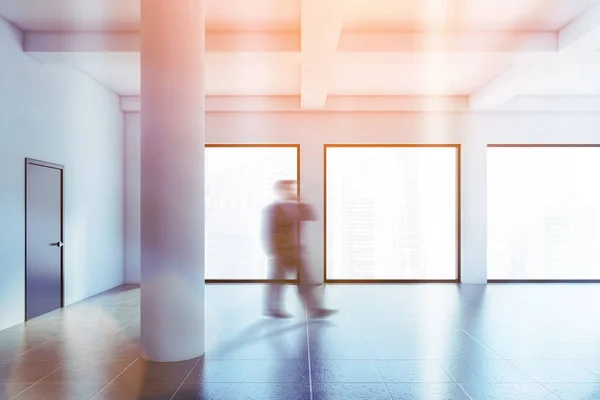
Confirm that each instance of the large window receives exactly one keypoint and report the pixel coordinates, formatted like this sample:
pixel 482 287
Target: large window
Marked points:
pixel 543 213
pixel 239 185
pixel 392 212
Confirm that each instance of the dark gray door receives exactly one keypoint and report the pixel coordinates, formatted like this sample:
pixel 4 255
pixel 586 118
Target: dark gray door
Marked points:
pixel 44 280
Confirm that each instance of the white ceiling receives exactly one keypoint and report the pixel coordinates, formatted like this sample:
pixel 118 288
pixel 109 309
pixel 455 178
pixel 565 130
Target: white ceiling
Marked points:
pixel 124 15
pixel 404 72
pixel 265 15
pixel 278 74
pixel 457 77
pixel 227 74
pixel 569 79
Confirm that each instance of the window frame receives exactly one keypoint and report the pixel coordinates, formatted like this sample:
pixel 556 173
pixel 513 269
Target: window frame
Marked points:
pixel 259 145
pixel 537 145
pixel 458 150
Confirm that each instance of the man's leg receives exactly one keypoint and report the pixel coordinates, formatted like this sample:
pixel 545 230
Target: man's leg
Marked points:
pixel 275 289
pixel 307 289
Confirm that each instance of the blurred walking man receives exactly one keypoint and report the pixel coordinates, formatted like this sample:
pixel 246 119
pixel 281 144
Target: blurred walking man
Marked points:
pixel 281 235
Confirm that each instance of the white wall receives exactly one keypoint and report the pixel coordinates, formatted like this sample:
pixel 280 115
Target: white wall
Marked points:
pixel 313 130
pixel 132 198
pixel 57 114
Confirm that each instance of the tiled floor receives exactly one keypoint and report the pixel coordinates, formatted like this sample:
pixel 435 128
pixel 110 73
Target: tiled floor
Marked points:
pixel 431 342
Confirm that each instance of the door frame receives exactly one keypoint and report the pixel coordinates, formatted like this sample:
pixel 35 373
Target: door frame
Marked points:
pixel 61 168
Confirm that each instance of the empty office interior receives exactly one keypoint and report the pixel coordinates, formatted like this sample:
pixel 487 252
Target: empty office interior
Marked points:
pixel 448 149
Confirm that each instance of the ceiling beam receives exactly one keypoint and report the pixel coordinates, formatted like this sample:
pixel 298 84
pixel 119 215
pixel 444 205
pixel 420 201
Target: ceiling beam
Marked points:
pixel 215 104
pixel 385 42
pixel 334 104
pixel 131 42
pixel 321 26
pixel 349 42
pixel 582 34
pixel 577 42
pixel 473 57
pixel 552 104
pixel 502 88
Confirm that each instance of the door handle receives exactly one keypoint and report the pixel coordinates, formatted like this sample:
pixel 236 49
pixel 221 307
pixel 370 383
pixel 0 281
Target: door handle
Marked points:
pixel 57 244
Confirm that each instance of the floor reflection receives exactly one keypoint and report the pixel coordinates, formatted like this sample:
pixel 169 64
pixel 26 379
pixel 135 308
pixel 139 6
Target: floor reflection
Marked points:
pixel 388 342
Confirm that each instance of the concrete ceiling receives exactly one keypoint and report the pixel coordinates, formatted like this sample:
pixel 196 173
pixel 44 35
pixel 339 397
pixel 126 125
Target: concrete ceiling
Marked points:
pixel 276 74
pixel 227 74
pixel 488 51
pixel 266 15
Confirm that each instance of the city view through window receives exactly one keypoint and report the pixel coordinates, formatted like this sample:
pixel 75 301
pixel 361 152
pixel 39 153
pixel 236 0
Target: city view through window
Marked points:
pixel 392 213
pixel 543 213
pixel 239 185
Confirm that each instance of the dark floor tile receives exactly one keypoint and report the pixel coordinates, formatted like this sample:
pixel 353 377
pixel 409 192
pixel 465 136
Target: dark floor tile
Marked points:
pixel 490 337
pixel 120 390
pixel 426 391
pixel 411 371
pixel 117 349
pixel 575 391
pixel 350 391
pixel 344 371
pixel 153 372
pixel 499 371
pixel 19 371
pixel 340 351
pixel 263 331
pixel 579 351
pixel 510 349
pixel 147 380
pixel 16 345
pixel 35 330
pixel 134 331
pixel 393 350
pixel 90 370
pixel 58 352
pixel 399 335
pixel 246 391
pixel 416 350
pixel 504 391
pixel 555 371
pixel 478 322
pixel 9 354
pixel 438 335
pixel 10 389
pixel 60 391
pixel 591 365
pixel 378 324
pixel 266 349
pixel 39 331
pixel 343 319
pixel 334 335
pixel 249 371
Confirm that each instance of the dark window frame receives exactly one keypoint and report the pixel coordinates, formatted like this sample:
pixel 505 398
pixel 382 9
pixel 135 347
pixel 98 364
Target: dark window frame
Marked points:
pixel 458 149
pixel 259 145
pixel 541 145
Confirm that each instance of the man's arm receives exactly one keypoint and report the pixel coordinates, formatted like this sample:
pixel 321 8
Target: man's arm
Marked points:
pixel 307 212
pixel 269 227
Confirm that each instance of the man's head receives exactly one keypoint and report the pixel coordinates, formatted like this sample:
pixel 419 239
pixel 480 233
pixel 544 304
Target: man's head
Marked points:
pixel 286 189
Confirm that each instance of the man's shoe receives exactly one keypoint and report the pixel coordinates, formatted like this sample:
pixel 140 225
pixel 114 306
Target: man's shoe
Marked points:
pixel 278 314
pixel 322 312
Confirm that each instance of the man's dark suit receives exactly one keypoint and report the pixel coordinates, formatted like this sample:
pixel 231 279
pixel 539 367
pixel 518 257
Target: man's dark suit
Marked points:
pixel 283 244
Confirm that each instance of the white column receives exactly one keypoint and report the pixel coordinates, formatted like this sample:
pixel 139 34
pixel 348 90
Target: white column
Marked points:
pixel 311 190
pixel 172 180
pixel 474 209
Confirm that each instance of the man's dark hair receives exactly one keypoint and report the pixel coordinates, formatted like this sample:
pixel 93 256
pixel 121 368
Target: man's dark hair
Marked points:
pixel 284 183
